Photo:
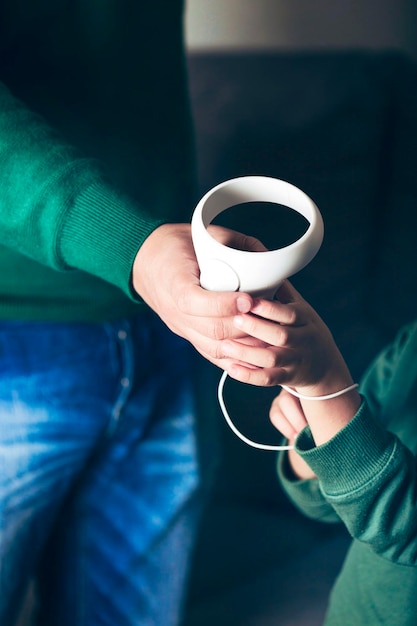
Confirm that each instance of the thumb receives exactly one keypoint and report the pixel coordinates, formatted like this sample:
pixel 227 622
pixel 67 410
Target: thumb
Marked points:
pixel 235 239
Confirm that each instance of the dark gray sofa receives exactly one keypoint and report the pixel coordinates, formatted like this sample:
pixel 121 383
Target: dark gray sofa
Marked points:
pixel 343 127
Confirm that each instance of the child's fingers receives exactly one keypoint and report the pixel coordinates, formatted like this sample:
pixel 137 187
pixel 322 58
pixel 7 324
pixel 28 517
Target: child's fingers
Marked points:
pixel 286 307
pixel 266 330
pixel 264 357
pixel 287 415
pixel 280 422
pixel 278 312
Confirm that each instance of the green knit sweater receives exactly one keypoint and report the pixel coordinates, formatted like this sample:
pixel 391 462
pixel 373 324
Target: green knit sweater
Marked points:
pixel 367 478
pixel 95 150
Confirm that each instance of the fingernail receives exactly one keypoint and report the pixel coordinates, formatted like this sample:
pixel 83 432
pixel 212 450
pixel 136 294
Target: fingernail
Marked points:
pixel 243 305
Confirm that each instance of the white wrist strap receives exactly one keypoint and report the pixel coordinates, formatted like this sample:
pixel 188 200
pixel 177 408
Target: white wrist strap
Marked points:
pixel 249 442
pixel 328 397
pixel 264 446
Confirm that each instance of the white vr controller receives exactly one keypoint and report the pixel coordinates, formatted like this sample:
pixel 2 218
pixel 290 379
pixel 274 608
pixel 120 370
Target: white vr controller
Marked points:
pixel 258 273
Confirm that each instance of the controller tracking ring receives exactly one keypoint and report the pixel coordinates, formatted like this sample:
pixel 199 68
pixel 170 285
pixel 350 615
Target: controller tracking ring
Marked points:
pixel 258 273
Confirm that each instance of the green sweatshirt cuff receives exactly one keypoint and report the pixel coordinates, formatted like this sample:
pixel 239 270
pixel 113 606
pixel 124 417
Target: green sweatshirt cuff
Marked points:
pixel 101 234
pixel 352 457
pixel 306 495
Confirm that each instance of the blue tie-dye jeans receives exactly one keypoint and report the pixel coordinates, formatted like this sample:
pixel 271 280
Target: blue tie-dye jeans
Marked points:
pixel 99 474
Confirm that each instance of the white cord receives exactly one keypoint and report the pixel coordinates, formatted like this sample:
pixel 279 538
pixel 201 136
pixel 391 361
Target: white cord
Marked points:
pixel 263 446
pixel 328 397
pixel 253 444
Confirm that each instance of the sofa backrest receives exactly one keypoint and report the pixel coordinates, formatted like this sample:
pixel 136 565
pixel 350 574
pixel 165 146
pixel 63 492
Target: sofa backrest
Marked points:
pixel 342 126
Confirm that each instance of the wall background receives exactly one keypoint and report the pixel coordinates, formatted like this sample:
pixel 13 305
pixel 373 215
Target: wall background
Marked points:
pixel 302 24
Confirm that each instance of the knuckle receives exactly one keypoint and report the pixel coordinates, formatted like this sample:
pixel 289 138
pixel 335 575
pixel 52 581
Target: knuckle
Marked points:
pixel 183 301
pixel 251 243
pixel 211 351
pixel 267 378
pixel 271 359
pixel 215 330
pixel 283 335
pixel 218 330
pixel 250 326
pixel 216 351
pixel 292 316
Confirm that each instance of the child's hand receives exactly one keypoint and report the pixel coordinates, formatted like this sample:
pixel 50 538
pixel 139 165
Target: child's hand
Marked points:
pixel 290 345
pixel 294 348
pixel 287 415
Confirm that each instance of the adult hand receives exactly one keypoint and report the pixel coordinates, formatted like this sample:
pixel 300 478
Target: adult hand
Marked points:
pixel 166 275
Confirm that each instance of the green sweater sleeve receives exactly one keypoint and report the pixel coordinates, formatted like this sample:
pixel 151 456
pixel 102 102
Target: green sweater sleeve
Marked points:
pixel 57 207
pixel 366 473
pixel 306 495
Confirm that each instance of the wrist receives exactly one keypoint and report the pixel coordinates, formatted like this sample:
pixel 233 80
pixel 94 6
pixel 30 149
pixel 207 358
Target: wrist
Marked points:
pixel 334 379
pixel 322 391
pixel 327 417
pixel 297 468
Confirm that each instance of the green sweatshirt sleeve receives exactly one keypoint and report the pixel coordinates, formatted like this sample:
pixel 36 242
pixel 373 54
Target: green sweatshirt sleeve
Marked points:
pixel 306 495
pixel 369 478
pixel 57 207
pixel 366 473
